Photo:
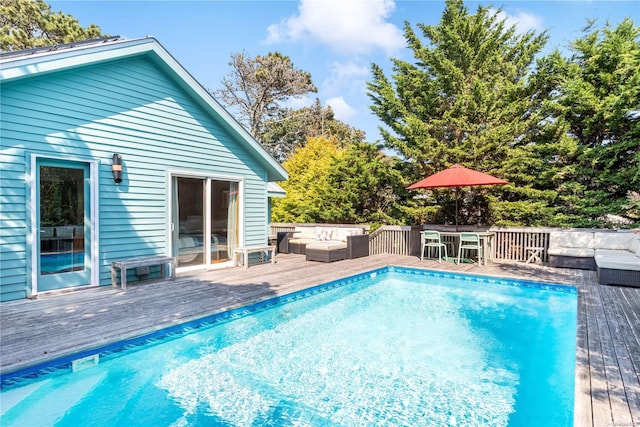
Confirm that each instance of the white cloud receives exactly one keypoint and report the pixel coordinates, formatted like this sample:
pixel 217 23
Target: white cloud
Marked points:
pixel 348 26
pixel 297 103
pixel 341 109
pixel 523 21
pixel 350 76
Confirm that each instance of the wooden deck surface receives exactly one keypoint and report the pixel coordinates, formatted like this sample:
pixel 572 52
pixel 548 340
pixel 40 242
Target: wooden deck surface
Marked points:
pixel 608 339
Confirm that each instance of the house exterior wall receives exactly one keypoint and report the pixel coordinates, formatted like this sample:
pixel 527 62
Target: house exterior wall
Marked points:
pixel 130 107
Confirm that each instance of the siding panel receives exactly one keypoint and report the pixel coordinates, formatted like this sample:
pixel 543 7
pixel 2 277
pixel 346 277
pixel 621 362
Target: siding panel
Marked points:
pixel 132 108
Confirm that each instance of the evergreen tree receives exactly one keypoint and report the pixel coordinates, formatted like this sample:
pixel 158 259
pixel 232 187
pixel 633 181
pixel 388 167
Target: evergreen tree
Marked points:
pixel 291 129
pixel 465 99
pixel 27 24
pixel 601 103
pixel 365 186
pixel 309 169
pixel 332 184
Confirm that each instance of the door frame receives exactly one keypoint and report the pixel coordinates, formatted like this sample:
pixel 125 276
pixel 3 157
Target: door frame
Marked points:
pixel 33 236
pixel 170 210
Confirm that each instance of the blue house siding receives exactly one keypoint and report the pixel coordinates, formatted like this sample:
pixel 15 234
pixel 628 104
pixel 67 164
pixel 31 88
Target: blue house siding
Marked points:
pixel 132 107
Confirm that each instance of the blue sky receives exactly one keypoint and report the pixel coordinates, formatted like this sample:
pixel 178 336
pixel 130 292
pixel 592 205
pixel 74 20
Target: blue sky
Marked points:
pixel 334 40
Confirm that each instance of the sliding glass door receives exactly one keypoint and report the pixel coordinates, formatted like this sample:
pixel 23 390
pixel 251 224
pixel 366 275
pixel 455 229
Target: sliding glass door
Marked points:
pixel 204 220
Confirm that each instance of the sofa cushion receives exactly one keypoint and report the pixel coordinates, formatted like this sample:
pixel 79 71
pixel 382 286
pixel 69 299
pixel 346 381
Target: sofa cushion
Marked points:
pixel 617 259
pixel 571 252
pixel 323 233
pixel 186 242
pixel 341 234
pixel 304 233
pixel 327 245
pixel 613 240
pixel 571 239
pixel 634 246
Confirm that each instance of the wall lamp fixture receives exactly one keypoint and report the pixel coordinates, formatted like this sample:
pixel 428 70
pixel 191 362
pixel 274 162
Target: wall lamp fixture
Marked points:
pixel 116 168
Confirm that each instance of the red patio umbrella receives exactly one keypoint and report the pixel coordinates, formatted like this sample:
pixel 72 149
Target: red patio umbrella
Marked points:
pixel 457 176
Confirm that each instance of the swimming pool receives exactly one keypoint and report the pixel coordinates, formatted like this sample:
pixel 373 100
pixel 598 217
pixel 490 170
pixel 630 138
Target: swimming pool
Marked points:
pixel 395 346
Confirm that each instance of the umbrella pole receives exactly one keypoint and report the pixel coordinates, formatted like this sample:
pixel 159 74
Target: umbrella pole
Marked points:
pixel 456 212
pixel 457 194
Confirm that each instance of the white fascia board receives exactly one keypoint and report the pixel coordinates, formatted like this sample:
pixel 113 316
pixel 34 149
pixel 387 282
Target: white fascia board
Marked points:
pixel 45 62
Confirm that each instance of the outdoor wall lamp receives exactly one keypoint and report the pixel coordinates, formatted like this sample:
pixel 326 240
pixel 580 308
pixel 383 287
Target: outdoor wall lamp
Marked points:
pixel 116 168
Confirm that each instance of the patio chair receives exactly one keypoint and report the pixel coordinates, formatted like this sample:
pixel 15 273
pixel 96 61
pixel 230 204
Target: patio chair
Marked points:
pixel 470 242
pixel 431 239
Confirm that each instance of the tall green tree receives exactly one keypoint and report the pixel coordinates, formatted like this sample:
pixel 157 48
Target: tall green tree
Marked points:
pixel 365 186
pixel 258 86
pixel 292 128
pixel 600 101
pixel 27 24
pixel 329 183
pixel 465 99
pixel 309 169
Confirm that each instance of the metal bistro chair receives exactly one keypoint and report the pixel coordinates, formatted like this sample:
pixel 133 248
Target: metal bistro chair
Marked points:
pixel 469 242
pixel 431 239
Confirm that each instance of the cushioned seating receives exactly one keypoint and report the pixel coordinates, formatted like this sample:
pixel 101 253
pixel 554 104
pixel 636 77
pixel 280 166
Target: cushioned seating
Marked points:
pixel 572 249
pixel 326 251
pixel 302 236
pixel 327 243
pixel 621 260
pixel 187 249
pixel 614 255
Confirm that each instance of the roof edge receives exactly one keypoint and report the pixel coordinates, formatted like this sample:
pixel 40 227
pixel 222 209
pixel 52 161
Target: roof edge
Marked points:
pixel 29 63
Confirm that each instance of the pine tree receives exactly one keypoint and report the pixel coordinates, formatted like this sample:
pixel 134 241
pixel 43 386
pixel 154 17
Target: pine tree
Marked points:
pixel 601 104
pixel 26 24
pixel 465 99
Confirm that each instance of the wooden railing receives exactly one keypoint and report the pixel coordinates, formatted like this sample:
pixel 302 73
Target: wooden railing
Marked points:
pixel 510 243
pixel 395 240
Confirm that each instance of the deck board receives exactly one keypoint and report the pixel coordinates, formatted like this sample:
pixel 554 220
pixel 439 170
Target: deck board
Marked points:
pixel 51 326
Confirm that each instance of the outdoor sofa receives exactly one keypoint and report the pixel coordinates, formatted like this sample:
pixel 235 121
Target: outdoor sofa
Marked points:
pixel 614 255
pixel 325 244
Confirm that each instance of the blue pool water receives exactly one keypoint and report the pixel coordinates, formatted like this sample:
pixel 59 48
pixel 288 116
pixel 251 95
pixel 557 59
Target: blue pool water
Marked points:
pixel 394 347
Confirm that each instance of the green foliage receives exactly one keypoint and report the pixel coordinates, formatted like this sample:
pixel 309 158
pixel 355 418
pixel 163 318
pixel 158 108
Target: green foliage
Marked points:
pixel 308 169
pixel 256 88
pixel 565 132
pixel 365 186
pixel 632 207
pixel 464 100
pixel 27 24
pixel 526 212
pixel 331 184
pixel 291 129
pixel 601 104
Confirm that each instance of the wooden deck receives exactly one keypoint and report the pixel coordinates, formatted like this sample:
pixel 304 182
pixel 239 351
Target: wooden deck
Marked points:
pixel 608 356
